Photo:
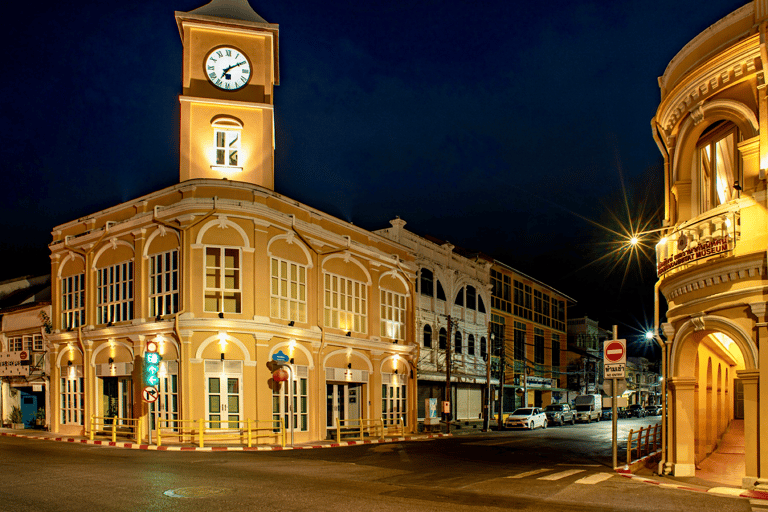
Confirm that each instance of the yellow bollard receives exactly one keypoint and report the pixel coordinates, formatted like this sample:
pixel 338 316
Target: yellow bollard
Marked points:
pixel 91 433
pixel 114 429
pixel 200 433
pixel 338 430
pixel 159 438
pixel 282 428
pixel 248 424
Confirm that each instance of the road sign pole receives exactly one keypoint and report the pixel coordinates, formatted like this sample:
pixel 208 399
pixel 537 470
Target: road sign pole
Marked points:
pixel 614 412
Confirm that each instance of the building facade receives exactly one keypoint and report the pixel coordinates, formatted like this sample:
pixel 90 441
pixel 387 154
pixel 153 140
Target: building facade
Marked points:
pixel 585 355
pixel 712 130
pixel 529 343
pixel 237 287
pixel 453 300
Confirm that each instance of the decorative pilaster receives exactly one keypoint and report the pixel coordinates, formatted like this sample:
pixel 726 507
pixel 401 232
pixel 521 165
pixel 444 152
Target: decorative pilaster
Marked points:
pixel 683 436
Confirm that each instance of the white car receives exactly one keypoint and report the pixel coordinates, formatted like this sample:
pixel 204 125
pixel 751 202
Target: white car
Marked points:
pixel 527 417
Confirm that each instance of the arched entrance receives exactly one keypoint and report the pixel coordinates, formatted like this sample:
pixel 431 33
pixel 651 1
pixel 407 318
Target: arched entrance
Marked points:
pixel 711 361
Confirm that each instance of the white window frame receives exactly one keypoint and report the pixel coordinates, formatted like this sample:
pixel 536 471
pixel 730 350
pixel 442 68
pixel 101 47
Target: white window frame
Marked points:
pixel 346 303
pixel 73 301
pixel 114 293
pixel 393 307
pixel 227 146
pixel 164 283
pixel 37 343
pixel 168 399
pixel 281 399
pixel 15 344
pixel 288 291
pixel 216 281
pixel 394 400
pixel 71 397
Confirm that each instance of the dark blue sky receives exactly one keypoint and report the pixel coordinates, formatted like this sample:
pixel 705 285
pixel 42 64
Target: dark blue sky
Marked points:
pixel 497 125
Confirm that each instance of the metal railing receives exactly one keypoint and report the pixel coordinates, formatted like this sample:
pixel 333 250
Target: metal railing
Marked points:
pixel 359 427
pixel 113 427
pixel 244 431
pixel 640 447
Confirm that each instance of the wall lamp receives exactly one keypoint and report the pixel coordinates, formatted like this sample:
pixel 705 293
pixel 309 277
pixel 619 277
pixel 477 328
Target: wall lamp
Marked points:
pixel 222 356
pixel 349 365
pixel 349 333
pixel 395 371
pixel 221 315
pixel 736 185
pixel 290 324
pixel 111 360
pixel 69 363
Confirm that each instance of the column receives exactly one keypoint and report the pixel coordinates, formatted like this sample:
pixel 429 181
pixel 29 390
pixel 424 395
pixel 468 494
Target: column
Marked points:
pixel 750 380
pixel 761 335
pixel 683 442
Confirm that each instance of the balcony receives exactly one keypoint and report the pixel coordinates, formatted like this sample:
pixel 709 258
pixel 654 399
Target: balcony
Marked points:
pixel 698 239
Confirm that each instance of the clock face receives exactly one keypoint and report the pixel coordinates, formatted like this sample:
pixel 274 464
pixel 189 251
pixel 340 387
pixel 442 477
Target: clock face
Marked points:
pixel 227 68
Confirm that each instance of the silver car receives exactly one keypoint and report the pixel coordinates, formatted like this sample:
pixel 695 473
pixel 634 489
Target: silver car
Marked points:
pixel 527 417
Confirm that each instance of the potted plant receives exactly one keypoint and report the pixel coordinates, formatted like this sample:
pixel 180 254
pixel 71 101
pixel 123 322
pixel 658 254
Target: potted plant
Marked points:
pixel 16 418
pixel 40 417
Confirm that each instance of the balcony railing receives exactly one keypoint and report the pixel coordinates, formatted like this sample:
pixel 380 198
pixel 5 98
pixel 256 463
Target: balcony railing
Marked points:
pixel 698 239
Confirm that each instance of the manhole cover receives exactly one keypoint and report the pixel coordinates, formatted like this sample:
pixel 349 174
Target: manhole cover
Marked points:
pixel 195 492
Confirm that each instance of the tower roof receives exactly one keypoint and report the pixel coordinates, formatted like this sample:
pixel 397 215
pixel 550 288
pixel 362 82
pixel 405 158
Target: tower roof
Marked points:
pixel 229 9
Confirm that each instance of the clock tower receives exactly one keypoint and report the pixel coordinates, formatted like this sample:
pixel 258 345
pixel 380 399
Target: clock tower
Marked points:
pixel 230 68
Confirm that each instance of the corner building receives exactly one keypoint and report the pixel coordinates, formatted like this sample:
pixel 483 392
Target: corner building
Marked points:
pixel 712 130
pixel 227 276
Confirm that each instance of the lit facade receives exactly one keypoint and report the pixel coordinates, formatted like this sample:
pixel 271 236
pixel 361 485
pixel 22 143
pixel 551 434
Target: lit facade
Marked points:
pixel 452 314
pixel 228 277
pixel 530 317
pixel 712 130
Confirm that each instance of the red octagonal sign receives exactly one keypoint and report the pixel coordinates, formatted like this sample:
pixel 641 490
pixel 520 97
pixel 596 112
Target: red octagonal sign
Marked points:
pixel 614 351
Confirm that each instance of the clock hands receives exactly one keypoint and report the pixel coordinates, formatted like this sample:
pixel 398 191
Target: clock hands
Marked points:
pixel 226 74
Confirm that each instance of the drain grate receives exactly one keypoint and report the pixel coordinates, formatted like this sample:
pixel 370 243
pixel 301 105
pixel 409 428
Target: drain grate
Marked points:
pixel 196 492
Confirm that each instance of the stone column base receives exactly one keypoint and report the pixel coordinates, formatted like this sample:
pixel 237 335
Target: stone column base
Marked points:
pixel 684 470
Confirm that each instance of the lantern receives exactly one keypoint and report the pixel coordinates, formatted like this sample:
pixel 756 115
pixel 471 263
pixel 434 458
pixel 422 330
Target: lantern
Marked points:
pixel 280 375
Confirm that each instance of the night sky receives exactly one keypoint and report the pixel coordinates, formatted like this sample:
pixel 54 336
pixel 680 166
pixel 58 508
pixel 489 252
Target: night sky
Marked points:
pixel 508 128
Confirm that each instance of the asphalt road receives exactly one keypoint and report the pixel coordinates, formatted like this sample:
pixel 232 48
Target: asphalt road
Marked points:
pixel 557 469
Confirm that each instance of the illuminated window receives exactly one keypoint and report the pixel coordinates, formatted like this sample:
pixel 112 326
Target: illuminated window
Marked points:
pixel 71 398
pixel 164 283
pixel 289 291
pixel 227 147
pixel 37 344
pixel 168 400
pixel 223 293
pixel 114 293
pixel 718 166
pixel 73 301
pixel 281 400
pixel 393 403
pixel 346 304
pixel 392 315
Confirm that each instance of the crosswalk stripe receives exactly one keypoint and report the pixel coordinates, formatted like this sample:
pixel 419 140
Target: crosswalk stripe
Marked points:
pixel 562 474
pixel 529 473
pixel 595 478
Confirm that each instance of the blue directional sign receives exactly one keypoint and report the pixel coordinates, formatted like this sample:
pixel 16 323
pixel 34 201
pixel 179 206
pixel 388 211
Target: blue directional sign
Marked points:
pixel 280 357
pixel 151 364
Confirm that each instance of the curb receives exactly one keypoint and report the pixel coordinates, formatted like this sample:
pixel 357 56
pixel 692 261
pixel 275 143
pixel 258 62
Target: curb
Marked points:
pixel 732 492
pixel 261 448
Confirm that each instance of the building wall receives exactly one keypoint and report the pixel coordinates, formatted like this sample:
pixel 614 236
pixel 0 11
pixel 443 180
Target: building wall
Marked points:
pixel 712 129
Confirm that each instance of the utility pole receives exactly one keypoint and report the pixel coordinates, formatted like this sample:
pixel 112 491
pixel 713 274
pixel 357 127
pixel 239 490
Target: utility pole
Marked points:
pixel 503 364
pixel 448 378
pixel 487 405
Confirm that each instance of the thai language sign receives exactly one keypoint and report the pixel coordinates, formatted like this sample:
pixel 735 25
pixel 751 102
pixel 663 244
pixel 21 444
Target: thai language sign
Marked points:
pixel 697 252
pixel 14 363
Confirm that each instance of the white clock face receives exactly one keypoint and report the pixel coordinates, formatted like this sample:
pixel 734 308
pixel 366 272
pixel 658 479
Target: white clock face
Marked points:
pixel 227 68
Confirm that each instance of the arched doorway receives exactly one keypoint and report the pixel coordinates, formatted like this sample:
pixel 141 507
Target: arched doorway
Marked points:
pixel 711 358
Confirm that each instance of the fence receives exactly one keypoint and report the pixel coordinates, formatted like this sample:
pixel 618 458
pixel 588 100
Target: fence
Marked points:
pixel 113 426
pixel 641 447
pixel 358 428
pixel 244 431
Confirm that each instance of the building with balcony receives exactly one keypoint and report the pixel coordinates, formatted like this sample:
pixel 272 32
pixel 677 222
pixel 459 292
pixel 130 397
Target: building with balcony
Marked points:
pixel 528 330
pixel 453 297
pixel 261 308
pixel 643 382
pixel 585 355
pixel 711 127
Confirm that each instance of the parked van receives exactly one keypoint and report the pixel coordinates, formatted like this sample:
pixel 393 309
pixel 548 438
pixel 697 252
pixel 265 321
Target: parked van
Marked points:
pixel 588 407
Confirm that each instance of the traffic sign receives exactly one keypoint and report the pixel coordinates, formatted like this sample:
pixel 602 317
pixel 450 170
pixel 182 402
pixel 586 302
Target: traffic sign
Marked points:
pixel 150 394
pixel 281 357
pixel 621 386
pixel 615 352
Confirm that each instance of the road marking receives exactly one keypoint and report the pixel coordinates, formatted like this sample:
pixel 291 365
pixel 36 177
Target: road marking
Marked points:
pixel 562 474
pixel 580 465
pixel 529 473
pixel 595 478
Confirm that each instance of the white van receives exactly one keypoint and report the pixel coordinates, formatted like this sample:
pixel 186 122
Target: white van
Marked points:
pixel 588 407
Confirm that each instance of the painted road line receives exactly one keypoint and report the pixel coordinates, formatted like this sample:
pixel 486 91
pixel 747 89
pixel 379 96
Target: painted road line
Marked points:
pixel 594 479
pixel 529 473
pixel 562 474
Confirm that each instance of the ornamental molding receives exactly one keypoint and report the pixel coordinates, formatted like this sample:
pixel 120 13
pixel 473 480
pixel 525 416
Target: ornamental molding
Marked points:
pixel 731 66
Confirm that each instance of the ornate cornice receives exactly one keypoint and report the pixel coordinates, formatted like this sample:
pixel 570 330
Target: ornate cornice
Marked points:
pixel 701 280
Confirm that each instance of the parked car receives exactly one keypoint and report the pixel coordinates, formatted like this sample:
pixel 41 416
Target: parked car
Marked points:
pixel 607 413
pixel 653 410
pixel 559 414
pixel 588 407
pixel 527 417
pixel 622 412
pixel 636 411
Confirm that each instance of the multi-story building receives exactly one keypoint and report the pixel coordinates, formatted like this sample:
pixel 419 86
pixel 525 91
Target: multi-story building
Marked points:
pixel 25 312
pixel 643 382
pixel 228 278
pixel 711 127
pixel 453 290
pixel 528 330
pixel 585 355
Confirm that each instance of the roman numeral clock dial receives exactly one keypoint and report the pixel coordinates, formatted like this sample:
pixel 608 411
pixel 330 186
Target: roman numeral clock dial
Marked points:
pixel 227 68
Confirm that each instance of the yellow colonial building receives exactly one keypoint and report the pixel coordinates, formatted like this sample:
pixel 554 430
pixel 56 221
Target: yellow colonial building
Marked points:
pixel 712 129
pixel 236 286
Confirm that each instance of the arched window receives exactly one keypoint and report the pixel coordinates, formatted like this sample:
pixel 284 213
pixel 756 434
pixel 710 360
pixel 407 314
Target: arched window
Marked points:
pixel 459 298
pixel 457 346
pixel 442 339
pixel 483 349
pixel 427 336
pixel 440 291
pixel 426 283
pixel 471 295
pixel 718 165
pixel 471 345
